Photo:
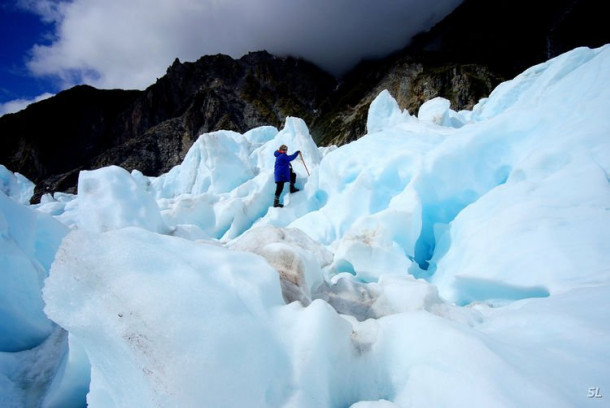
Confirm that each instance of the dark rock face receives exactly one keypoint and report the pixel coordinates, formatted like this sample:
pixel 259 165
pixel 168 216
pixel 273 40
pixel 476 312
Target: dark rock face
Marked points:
pixel 509 36
pixel 52 138
pixel 216 92
pixel 411 83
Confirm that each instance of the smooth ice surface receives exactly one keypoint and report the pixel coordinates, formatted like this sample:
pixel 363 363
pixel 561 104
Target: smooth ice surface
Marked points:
pixel 446 259
pixel 171 307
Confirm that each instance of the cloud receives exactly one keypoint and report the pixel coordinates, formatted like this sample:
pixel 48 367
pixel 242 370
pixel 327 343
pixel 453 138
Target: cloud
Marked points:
pixel 128 44
pixel 50 11
pixel 20 104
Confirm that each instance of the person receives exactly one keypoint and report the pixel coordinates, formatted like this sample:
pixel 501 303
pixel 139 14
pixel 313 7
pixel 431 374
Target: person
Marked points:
pixel 283 172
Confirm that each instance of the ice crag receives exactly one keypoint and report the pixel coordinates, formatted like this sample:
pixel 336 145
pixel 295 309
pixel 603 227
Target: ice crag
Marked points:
pixel 448 259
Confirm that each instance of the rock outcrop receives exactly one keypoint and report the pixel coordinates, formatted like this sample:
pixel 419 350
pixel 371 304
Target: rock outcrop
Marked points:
pixel 410 82
pixel 50 141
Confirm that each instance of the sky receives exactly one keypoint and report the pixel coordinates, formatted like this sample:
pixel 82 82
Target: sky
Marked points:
pixel 52 45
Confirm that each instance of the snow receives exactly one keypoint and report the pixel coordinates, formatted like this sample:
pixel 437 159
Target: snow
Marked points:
pixel 445 259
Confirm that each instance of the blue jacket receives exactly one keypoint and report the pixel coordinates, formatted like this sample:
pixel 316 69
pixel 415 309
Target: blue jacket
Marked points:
pixel 282 165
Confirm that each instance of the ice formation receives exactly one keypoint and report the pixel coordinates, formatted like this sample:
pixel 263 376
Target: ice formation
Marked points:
pixel 445 259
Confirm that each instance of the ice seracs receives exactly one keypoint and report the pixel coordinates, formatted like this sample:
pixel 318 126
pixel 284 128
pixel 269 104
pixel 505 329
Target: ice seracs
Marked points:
pixel 16 186
pixel 28 243
pixel 444 259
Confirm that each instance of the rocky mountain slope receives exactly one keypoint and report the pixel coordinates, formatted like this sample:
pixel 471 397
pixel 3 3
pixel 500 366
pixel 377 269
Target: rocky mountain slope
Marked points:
pixel 51 140
pixel 462 59
pixel 151 130
pixel 412 82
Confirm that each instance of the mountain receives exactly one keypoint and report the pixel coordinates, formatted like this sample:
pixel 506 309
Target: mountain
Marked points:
pixel 511 35
pixel 85 128
pixel 51 140
pixel 412 82
pixel 461 59
pixel 152 130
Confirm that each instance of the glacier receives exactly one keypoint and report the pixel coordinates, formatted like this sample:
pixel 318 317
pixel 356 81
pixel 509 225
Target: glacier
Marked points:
pixel 444 259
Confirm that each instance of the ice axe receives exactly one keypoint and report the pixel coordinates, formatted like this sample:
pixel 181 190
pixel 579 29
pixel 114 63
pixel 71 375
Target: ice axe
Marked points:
pixel 301 156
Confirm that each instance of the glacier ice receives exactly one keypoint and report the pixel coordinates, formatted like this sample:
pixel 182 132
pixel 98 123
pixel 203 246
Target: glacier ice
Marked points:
pixel 16 186
pixel 29 240
pixel 444 259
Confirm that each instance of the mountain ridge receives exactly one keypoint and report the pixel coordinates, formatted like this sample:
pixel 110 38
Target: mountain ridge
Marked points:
pixel 50 142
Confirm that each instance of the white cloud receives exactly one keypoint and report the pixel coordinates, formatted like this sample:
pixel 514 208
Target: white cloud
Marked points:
pixel 20 104
pixel 50 11
pixel 128 44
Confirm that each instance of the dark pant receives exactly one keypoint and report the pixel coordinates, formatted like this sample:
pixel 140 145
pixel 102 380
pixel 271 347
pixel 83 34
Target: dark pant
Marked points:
pixel 279 185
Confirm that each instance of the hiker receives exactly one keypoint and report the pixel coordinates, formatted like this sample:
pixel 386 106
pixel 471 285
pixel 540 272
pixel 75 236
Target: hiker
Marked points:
pixel 283 172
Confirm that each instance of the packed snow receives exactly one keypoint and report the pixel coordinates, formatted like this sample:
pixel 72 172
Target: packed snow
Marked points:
pixel 447 259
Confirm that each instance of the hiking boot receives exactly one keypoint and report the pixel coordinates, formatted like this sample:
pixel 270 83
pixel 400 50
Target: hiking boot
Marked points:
pixel 293 189
pixel 276 203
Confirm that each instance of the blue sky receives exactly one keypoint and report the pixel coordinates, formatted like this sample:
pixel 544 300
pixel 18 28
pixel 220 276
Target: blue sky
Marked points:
pixel 51 45
pixel 19 31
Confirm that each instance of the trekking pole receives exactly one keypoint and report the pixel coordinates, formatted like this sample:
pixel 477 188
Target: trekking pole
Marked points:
pixel 301 155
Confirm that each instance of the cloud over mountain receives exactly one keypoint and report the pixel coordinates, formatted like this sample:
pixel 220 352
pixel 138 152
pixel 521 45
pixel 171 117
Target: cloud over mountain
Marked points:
pixel 112 43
